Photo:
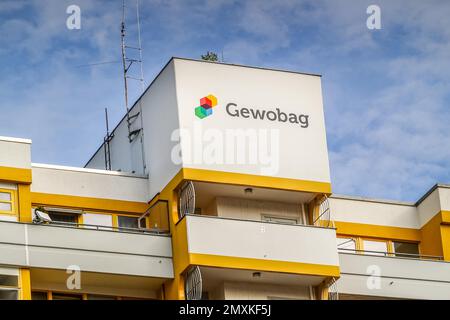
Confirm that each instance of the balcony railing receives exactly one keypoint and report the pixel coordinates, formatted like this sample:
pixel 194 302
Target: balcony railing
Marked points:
pixel 105 228
pixel 392 254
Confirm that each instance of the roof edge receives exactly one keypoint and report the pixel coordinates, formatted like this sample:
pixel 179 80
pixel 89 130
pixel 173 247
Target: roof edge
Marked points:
pixel 248 66
pixel 375 200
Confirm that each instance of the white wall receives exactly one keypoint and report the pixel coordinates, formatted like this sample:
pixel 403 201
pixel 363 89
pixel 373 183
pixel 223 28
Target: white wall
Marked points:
pixel 302 152
pixel 125 156
pixel 160 118
pixel 246 209
pixel 252 291
pixel 89 183
pixel 444 197
pixel 15 153
pixel 390 213
pixel 374 212
pixel 429 207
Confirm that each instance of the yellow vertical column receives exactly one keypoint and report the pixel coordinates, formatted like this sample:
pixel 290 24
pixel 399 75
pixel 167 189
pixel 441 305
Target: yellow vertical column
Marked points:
pixel 25 284
pixel 24 196
pixel 445 235
pixel 431 243
pixel 174 289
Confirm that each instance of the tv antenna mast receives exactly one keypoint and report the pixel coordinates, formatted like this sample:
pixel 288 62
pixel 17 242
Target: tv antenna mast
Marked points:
pixel 106 143
pixel 127 63
pixel 135 129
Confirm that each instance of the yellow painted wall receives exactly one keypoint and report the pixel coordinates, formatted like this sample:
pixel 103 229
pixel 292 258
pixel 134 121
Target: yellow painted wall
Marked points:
pixel 24 198
pixel 445 236
pixel 375 231
pixel 25 284
pixel 431 237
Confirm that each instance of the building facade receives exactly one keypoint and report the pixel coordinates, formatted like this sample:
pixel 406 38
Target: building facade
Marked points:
pixel 216 185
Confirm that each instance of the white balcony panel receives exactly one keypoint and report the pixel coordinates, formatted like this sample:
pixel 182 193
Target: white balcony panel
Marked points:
pixel 261 240
pixel 56 247
pixel 394 277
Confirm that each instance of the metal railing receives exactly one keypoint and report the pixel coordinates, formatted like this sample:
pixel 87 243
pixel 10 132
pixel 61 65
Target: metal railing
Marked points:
pixel 254 221
pixel 102 228
pixel 393 254
pixel 324 217
pixel 163 215
pixel 333 291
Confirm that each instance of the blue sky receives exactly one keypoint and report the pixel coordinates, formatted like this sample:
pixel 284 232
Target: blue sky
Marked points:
pixel 386 92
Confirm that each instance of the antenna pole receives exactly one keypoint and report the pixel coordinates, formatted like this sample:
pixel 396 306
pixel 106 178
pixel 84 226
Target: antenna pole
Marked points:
pixel 134 130
pixel 106 142
pixel 125 67
pixel 138 19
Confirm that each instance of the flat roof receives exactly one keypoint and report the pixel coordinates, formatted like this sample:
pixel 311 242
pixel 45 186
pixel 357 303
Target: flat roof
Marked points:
pixel 368 199
pixel 247 66
pixel 86 170
pixel 18 140
pixel 405 203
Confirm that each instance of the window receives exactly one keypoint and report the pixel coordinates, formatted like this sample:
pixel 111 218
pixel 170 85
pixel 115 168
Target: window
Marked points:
pixel 143 223
pixel 63 217
pixel 9 283
pixel 376 248
pixel 276 219
pixel 128 222
pixel 38 295
pixel 8 280
pixel 8 294
pixel 346 244
pixel 7 201
pixel 406 249
pixel 65 296
pixel 99 297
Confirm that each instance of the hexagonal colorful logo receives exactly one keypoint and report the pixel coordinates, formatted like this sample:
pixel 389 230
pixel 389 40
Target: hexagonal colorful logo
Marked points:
pixel 206 106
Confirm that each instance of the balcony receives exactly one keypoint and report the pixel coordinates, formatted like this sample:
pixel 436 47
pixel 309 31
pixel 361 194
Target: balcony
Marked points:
pixel 287 253
pixel 103 251
pixel 384 276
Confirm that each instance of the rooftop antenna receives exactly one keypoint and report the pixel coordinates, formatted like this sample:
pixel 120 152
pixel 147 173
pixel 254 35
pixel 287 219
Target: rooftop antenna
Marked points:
pixel 135 131
pixel 138 19
pixel 127 63
pixel 106 140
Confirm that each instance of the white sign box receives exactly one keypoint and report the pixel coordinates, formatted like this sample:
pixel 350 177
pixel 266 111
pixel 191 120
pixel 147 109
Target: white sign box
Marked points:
pixel 251 120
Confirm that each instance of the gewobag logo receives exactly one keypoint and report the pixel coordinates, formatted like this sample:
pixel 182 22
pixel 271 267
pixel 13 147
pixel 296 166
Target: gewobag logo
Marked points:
pixel 233 110
pixel 206 106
